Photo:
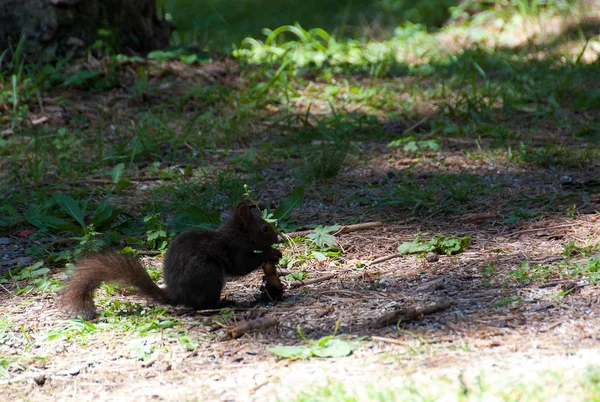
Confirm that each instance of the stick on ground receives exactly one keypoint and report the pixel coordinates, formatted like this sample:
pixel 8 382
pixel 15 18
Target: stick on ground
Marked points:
pixel 343 229
pixel 410 314
pixel 242 327
pixel 313 280
pixel 384 259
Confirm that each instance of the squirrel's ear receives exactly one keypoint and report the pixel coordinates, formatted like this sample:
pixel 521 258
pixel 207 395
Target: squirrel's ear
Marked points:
pixel 243 211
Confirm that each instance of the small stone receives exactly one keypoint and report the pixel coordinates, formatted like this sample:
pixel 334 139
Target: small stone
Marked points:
pixel 5 240
pixel 432 257
pixel 73 370
pixel 40 380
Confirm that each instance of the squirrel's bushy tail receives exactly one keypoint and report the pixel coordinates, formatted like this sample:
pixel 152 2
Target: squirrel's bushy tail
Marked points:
pixel 78 295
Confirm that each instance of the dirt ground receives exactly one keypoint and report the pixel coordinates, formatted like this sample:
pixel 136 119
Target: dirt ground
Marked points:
pixel 477 337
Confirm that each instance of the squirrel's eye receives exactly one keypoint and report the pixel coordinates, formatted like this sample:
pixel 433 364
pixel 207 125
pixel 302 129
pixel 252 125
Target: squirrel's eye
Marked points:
pixel 265 228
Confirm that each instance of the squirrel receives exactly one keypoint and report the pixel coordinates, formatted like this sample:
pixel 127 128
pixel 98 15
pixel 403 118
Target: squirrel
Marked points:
pixel 196 265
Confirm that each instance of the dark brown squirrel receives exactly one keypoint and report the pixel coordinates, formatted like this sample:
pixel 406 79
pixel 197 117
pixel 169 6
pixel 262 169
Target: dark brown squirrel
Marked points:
pixel 195 268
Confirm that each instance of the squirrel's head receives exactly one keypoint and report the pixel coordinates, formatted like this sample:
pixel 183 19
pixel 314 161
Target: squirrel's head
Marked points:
pixel 257 229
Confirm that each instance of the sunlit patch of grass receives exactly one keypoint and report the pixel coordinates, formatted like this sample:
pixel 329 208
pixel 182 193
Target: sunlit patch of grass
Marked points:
pixel 581 384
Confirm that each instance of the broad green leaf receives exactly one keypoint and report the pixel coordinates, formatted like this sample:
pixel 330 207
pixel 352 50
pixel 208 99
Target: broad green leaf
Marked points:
pixel 411 146
pixel 117 172
pixel 318 256
pixel 156 234
pixel 161 55
pixel 413 247
pixel 333 348
pixel 39 272
pixel 288 352
pixel 286 206
pixel 453 245
pixel 47 222
pixel 188 58
pixel 103 213
pixel 321 237
pixel 81 76
pixel 434 145
pixel 331 228
pixel 71 207
pixel 37 264
pixel 438 244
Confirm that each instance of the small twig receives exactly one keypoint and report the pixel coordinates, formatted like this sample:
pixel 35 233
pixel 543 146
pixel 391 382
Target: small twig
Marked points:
pixel 478 216
pixel 551 283
pixel 342 230
pixel 358 226
pixel 387 340
pixel 407 161
pixel 342 292
pixel 410 314
pixel 242 327
pixel 151 252
pixel 218 310
pixel 384 259
pixel 151 361
pixel 39 121
pixel 189 146
pixel 417 124
pixel 106 181
pixel 422 341
pixel 552 326
pixel 8 291
pixel 313 280
pixel 257 387
pixel 580 55
pixel 545 228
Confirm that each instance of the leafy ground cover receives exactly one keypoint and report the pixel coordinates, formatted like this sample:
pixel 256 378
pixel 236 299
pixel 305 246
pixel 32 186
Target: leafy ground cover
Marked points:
pixel 476 147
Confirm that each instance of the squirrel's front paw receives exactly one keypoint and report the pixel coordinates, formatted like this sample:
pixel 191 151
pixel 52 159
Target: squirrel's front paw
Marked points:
pixel 274 255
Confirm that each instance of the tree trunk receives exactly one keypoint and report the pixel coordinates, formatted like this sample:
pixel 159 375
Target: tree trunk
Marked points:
pixel 63 27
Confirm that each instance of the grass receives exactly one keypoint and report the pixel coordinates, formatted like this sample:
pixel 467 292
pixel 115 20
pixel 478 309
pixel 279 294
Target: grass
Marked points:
pixel 581 384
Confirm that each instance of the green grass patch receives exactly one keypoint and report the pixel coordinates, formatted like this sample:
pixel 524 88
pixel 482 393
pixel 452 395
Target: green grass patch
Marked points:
pixel 580 384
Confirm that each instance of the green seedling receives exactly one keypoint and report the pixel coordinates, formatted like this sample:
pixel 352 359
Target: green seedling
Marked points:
pixel 35 278
pixel 438 244
pixel 411 145
pixel 328 346
pixel 157 236
pixel 321 236
pixel 488 273
pixel 296 276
